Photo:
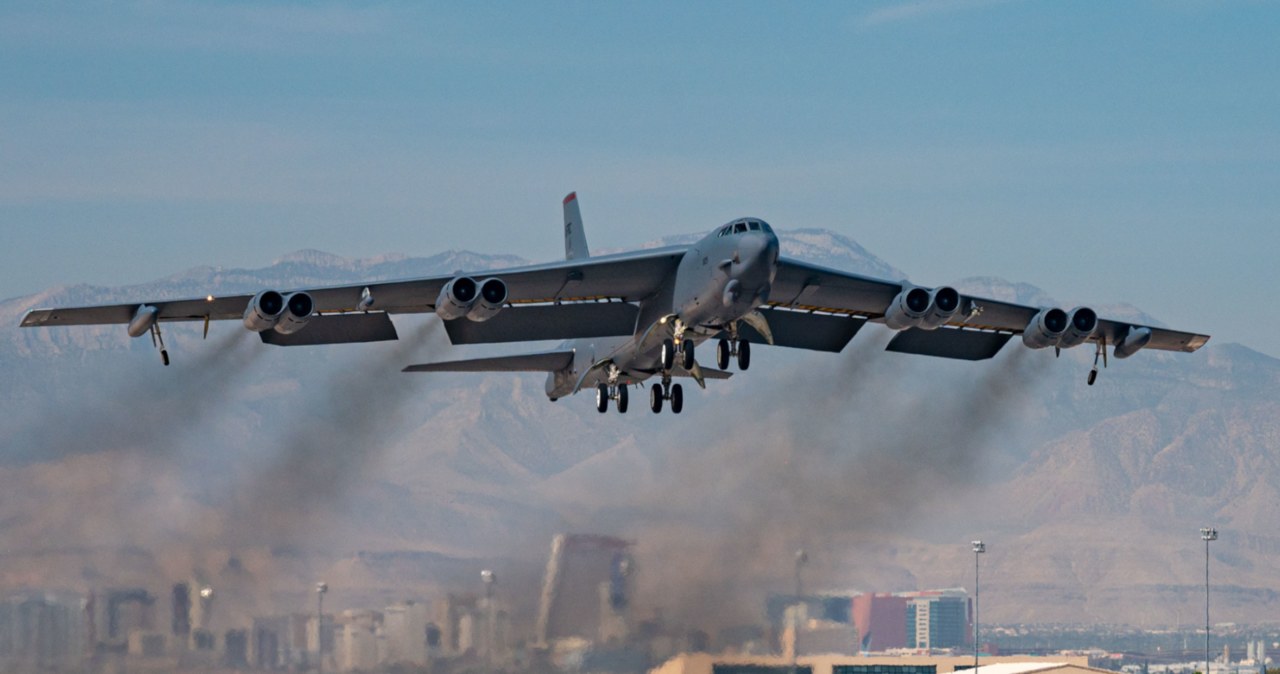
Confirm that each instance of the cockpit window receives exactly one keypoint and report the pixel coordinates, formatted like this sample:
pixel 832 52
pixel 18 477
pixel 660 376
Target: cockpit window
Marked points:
pixel 739 227
pixel 754 226
pixel 724 230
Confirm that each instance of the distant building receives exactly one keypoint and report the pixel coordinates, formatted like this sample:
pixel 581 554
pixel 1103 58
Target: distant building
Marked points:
pixel 881 621
pixel 938 619
pixel 704 663
pixel 586 592
pixel 357 644
pixel 43 630
pixel 453 619
pixel 405 626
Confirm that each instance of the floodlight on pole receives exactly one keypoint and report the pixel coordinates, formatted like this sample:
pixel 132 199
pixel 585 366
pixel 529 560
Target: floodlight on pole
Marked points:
pixel 321 589
pixel 1207 534
pixel 978 548
pixel 801 558
pixel 489 579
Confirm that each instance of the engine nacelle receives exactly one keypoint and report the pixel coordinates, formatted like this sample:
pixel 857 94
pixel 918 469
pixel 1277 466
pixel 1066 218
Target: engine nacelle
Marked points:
pixel 908 309
pixel 457 297
pixel 1131 341
pixel 493 295
pixel 298 308
pixel 944 302
pixel 1081 323
pixel 264 311
pixel 1045 329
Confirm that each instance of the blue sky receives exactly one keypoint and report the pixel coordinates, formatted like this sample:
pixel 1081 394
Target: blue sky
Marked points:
pixel 1106 152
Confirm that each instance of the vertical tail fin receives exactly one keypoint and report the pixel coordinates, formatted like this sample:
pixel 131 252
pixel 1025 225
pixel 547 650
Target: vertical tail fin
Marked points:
pixel 575 238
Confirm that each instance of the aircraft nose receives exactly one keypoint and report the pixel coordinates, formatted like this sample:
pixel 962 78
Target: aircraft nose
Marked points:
pixel 758 252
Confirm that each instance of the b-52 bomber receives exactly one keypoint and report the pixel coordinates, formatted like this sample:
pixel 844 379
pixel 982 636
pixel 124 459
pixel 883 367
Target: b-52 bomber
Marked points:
pixel 632 317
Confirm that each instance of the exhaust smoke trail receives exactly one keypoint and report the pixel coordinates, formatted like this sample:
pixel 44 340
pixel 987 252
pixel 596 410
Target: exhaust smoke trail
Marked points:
pixel 150 412
pixel 352 421
pixel 819 458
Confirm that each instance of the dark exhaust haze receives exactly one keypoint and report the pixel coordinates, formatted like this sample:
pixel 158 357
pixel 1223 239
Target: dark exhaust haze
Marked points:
pixel 826 458
pixel 315 459
pixel 151 410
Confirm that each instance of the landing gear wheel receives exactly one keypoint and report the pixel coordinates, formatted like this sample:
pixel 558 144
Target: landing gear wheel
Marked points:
pixel 677 398
pixel 722 354
pixel 602 398
pixel 668 355
pixel 686 353
pixel 622 399
pixel 655 398
pixel 744 354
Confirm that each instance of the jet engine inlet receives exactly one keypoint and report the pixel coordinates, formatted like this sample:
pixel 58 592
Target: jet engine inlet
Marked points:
pixel 1045 329
pixel 944 302
pixel 298 310
pixel 493 295
pixel 1081 323
pixel 908 308
pixel 457 297
pixel 264 311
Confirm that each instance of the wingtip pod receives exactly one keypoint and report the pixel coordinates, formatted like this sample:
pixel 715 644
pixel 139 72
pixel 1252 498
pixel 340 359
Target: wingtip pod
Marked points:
pixel 1130 340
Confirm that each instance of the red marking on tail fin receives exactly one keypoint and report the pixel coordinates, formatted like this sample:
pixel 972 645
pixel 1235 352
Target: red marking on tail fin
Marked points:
pixel 571 197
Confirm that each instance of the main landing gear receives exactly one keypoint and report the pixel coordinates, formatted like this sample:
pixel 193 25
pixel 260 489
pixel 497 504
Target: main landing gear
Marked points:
pixel 669 350
pixel 611 390
pixel 666 391
pixel 740 349
pixel 617 393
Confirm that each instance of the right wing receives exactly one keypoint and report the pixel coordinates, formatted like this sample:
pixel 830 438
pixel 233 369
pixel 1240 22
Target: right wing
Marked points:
pixel 625 277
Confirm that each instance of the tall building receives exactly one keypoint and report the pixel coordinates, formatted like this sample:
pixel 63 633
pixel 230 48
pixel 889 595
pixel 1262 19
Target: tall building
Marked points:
pixel 405 627
pixel 45 631
pixel 357 645
pixel 453 614
pixel 586 593
pixel 938 619
pixel 881 620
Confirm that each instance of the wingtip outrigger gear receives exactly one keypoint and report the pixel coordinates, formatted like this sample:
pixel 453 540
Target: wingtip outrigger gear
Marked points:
pixel 1101 352
pixel 157 340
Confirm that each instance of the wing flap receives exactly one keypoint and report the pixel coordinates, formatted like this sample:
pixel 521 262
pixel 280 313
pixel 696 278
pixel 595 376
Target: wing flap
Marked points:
pixel 949 343
pixel 337 329
pixel 547 322
pixel 802 330
pixel 548 361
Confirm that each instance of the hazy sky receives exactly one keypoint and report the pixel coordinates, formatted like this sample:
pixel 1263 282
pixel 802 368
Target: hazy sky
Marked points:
pixel 1104 151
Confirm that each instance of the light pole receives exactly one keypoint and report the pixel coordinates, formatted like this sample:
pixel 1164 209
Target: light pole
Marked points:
pixel 801 558
pixel 1207 534
pixel 489 579
pixel 321 588
pixel 978 548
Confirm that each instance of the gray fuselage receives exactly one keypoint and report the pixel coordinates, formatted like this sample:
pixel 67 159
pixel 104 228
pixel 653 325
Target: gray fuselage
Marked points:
pixel 720 279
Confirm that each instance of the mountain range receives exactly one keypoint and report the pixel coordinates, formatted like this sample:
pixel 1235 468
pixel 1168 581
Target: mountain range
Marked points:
pixel 263 468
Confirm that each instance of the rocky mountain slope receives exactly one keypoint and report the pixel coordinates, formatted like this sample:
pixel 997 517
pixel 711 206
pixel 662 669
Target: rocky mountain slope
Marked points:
pixel 266 467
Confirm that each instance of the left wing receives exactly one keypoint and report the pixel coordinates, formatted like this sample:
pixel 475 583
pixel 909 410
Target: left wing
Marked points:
pixel 977 330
